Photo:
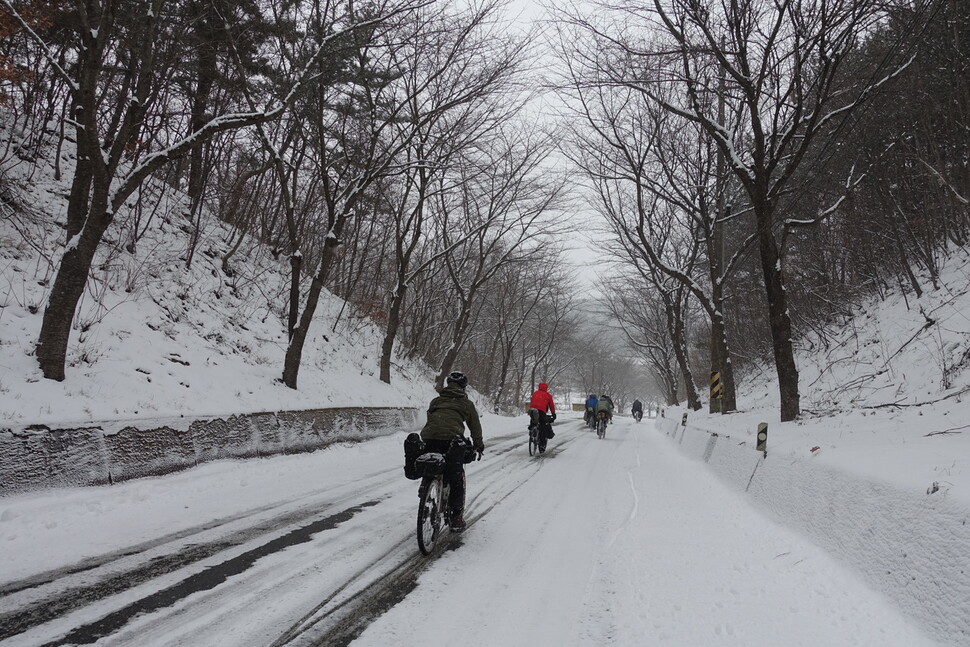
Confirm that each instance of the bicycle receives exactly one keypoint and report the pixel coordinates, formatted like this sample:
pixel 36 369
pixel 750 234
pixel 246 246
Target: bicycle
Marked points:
pixel 638 415
pixel 537 444
pixel 601 421
pixel 433 513
pixel 590 419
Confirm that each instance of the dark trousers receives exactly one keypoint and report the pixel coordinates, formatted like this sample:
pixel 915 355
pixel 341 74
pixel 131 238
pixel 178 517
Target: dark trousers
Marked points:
pixel 454 474
pixel 543 421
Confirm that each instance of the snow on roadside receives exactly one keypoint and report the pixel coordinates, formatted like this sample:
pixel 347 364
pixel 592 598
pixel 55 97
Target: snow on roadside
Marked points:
pixel 158 337
pixel 623 542
pixel 885 395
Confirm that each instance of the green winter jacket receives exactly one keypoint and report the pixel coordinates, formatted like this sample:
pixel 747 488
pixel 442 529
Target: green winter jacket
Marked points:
pixel 449 413
pixel 605 404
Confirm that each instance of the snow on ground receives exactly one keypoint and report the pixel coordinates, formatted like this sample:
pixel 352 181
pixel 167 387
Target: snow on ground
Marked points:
pixel 625 542
pixel 162 330
pixel 884 395
pixel 621 541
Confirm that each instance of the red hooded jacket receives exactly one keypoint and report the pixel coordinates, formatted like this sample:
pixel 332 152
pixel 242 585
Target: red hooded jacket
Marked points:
pixel 542 399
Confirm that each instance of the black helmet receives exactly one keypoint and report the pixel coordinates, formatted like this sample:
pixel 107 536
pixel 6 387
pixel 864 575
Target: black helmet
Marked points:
pixel 459 378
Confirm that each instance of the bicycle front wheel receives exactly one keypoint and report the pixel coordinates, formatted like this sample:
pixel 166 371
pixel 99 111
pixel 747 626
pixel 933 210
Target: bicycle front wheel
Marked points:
pixel 429 515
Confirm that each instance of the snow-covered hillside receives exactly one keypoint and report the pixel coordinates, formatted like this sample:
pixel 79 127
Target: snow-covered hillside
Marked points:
pixel 156 336
pixel 884 395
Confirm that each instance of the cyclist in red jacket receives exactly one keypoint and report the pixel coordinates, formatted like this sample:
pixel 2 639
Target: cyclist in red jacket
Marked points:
pixel 542 410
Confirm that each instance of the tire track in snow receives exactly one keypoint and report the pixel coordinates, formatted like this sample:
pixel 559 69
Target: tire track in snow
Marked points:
pixel 342 623
pixel 155 590
pixel 54 594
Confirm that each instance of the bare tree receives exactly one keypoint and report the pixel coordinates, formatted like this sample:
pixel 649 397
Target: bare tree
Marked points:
pixel 780 62
pixel 658 186
pixel 109 116
pixel 508 189
pixel 457 75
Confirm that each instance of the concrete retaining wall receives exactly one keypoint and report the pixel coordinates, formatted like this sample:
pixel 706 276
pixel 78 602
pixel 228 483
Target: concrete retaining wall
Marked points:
pixel 40 457
pixel 913 547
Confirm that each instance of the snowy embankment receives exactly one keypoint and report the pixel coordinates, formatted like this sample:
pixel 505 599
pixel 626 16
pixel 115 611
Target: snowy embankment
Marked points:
pixel 876 470
pixel 911 545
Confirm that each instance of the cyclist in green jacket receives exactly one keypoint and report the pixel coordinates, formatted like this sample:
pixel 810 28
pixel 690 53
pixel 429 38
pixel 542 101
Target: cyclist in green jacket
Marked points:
pixel 605 403
pixel 447 416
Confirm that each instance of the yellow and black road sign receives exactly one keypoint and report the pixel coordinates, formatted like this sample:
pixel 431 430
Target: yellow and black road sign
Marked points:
pixel 717 389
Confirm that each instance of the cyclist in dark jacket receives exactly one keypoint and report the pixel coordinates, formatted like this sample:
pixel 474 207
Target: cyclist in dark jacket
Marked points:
pixel 447 416
pixel 590 408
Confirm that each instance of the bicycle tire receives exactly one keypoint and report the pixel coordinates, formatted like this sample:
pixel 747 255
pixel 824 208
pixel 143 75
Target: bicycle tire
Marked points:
pixel 429 515
pixel 533 444
pixel 601 428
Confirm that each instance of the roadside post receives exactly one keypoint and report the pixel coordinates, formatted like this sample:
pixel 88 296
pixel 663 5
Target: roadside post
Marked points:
pixel 717 390
pixel 762 438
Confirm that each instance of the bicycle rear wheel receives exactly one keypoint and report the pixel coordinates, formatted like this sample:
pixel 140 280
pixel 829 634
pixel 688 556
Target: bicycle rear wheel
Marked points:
pixel 429 514
pixel 533 442
pixel 601 427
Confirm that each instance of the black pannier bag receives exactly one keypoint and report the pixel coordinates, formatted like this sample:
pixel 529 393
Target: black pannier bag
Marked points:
pixel 462 449
pixel 429 464
pixel 413 447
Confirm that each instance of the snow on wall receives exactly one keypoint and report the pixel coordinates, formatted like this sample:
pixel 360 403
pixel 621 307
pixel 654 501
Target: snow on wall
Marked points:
pixel 913 547
pixel 39 457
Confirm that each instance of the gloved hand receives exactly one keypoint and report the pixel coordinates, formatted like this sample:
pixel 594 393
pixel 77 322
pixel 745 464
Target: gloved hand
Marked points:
pixel 553 417
pixel 481 450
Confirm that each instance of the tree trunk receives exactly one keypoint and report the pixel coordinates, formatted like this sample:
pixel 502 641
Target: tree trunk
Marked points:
pixel 503 375
pixel 903 261
pixel 778 317
pixel 675 324
pixel 729 400
pixel 390 333
pixel 680 352
pixel 296 268
pixel 72 276
pixel 77 203
pixel 668 377
pixel 294 351
pixel 457 340
pixel 714 404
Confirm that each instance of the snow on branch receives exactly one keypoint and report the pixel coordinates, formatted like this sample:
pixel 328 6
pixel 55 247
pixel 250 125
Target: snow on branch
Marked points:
pixel 943 182
pixel 48 54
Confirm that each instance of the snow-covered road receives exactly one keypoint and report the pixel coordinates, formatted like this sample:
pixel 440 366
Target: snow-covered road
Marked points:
pixel 619 541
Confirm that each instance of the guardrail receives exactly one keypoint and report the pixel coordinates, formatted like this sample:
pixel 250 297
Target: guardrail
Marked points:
pixel 40 456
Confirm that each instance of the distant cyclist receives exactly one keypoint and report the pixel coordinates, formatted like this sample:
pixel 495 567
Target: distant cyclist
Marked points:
pixel 545 412
pixel 605 403
pixel 637 410
pixel 447 416
pixel 590 409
